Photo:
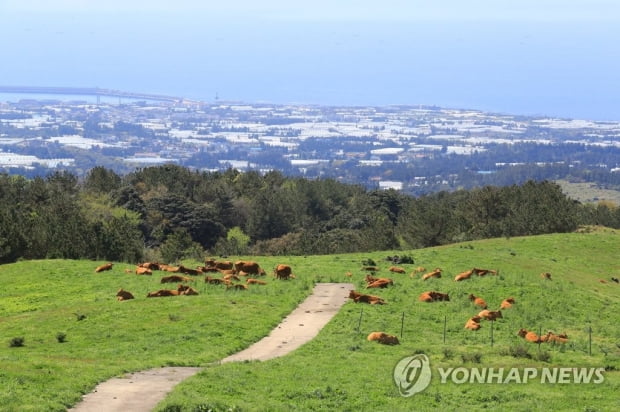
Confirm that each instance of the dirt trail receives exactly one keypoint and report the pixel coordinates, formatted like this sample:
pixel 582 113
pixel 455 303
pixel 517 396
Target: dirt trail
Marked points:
pixel 142 391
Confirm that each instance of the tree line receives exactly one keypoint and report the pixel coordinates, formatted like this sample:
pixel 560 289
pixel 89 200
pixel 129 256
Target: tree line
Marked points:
pixel 169 212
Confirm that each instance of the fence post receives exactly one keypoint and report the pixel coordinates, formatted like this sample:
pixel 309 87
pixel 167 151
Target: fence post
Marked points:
pixel 359 323
pixel 539 338
pixel 444 328
pixel 590 340
pixel 402 325
pixel 492 322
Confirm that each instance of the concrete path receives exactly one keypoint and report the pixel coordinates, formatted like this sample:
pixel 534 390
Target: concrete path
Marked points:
pixel 142 391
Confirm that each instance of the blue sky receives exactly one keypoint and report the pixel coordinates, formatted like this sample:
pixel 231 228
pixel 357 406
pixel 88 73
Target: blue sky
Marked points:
pixel 525 57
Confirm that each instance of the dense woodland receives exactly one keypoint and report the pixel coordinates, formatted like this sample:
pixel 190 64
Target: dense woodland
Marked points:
pixel 170 212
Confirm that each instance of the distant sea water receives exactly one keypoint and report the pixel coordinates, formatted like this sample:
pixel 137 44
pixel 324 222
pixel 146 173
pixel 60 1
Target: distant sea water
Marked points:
pixel 548 69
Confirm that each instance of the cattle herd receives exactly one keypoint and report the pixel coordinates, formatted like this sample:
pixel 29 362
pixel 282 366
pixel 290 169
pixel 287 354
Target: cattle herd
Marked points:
pixel 226 273
pixel 474 323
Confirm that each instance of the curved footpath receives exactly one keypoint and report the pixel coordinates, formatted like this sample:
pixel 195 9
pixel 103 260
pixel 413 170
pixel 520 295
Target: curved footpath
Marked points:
pixel 142 391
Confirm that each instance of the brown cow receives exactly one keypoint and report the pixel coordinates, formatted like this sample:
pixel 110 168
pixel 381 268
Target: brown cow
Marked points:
pixel 175 279
pixel 107 266
pixel 189 271
pixel 360 297
pixel 546 275
pixel 221 265
pixel 162 292
pixel 237 286
pixel 553 338
pixel 283 272
pixel 186 290
pixel 434 274
pixel 383 338
pixel 168 268
pixel 150 265
pixel 490 314
pixel 216 281
pixel 231 277
pixel 507 303
pixel 482 272
pixel 478 301
pixel 143 271
pixel 380 283
pixel 432 296
pixel 252 281
pixel 529 336
pixel 396 269
pixel 123 295
pixel 473 323
pixel 463 275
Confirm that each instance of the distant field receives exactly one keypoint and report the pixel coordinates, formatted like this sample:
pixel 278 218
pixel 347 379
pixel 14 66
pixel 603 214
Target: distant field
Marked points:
pixel 339 370
pixel 588 192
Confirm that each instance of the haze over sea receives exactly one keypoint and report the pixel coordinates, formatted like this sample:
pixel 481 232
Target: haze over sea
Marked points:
pixel 539 60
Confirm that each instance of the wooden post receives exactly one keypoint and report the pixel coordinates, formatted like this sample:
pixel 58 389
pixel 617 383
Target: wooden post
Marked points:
pixel 444 328
pixel 539 337
pixel 590 340
pixel 492 322
pixel 359 323
pixel 402 325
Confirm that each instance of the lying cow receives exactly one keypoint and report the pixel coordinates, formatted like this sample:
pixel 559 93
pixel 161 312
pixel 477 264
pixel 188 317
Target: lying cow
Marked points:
pixel 463 275
pixel 383 338
pixel 434 274
pixel 546 275
pixel 102 268
pixel 483 272
pixel 473 323
pixel 123 295
pixel 490 314
pixel 433 296
pixel 553 338
pixel 396 269
pixel 252 281
pixel 507 303
pixel 478 301
pixel 529 336
pixel 143 271
pixel 360 297
pixel 175 279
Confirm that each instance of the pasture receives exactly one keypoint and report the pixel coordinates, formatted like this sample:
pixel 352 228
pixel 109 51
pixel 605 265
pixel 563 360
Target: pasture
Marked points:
pixel 340 369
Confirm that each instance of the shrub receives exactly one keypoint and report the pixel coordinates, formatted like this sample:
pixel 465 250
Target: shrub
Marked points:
pixel 17 342
pixel 517 351
pixel 471 357
pixel 61 337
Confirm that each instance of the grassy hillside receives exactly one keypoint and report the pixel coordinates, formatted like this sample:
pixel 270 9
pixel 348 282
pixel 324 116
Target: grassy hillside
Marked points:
pixel 339 370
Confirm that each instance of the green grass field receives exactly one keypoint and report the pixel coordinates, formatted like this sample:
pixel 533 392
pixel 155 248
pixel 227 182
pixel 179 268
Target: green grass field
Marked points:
pixel 340 369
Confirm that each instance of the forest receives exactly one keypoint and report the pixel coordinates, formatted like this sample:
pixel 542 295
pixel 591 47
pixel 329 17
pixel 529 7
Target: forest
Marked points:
pixel 169 212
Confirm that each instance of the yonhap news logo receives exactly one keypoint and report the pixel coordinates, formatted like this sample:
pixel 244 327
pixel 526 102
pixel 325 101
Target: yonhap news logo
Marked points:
pixel 412 374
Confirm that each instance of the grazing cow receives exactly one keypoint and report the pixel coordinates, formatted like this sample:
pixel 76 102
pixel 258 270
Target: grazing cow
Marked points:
pixel 397 269
pixel 237 286
pixel 383 338
pixel 433 297
pixel 478 301
pixel 546 275
pixel 615 280
pixel 490 314
pixel 143 271
pixel 434 274
pixel 529 336
pixel 473 323
pixel 463 275
pixel 102 268
pixel 175 279
pixel 123 295
pixel 507 303
pixel 168 268
pixel 249 267
pixel 483 272
pixel 252 281
pixel 360 297
pixel 283 272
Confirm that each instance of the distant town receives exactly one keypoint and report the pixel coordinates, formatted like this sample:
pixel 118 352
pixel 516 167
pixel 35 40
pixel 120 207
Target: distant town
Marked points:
pixel 414 149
